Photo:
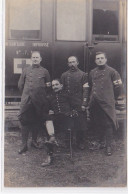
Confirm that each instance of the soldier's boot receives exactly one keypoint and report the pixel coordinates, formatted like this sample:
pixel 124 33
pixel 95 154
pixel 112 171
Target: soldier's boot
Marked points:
pixel 23 149
pixel 52 140
pixel 102 145
pixel 49 159
pixel 35 144
pixel 102 140
pixel 81 146
pixel 25 133
pixel 108 151
pixel 80 141
pixel 109 136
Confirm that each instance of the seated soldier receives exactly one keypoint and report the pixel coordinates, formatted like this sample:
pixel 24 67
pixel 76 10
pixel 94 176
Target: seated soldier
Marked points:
pixel 61 117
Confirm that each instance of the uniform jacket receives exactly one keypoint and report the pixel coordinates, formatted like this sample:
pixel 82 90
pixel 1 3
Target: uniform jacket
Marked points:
pixel 32 84
pixel 73 82
pixel 59 102
pixel 104 82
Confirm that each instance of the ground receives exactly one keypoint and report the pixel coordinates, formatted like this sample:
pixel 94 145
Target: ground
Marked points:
pixel 86 169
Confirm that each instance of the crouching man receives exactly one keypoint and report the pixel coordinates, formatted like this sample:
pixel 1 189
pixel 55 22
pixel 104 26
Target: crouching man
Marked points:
pixel 62 117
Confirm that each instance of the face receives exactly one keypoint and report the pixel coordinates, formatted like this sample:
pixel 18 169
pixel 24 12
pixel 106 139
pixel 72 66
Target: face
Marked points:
pixel 100 59
pixel 36 58
pixel 56 86
pixel 72 63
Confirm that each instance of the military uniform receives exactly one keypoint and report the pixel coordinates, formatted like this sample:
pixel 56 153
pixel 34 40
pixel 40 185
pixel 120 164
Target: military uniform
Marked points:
pixel 105 84
pixel 59 102
pixel 32 84
pixel 73 82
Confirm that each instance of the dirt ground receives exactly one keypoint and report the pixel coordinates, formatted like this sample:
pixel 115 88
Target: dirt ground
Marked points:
pixel 86 169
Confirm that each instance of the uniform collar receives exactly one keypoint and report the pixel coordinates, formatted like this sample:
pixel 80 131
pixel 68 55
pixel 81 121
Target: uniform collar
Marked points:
pixel 77 69
pixel 102 67
pixel 59 92
pixel 35 66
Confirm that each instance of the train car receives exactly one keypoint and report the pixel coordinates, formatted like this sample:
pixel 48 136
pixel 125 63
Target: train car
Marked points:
pixel 59 29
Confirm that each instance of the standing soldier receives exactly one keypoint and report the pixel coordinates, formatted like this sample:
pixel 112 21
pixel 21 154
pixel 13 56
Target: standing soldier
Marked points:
pixel 105 85
pixel 32 84
pixel 75 84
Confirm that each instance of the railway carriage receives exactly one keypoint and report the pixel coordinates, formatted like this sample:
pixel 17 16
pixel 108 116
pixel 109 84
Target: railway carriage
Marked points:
pixel 58 29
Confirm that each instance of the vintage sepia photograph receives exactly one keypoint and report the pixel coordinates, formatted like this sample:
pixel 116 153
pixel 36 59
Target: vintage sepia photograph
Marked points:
pixel 65 95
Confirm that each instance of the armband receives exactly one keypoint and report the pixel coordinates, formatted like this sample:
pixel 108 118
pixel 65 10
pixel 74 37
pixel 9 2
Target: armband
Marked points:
pixel 117 82
pixel 86 85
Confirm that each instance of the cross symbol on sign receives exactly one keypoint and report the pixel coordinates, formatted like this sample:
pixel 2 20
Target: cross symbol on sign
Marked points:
pixel 23 64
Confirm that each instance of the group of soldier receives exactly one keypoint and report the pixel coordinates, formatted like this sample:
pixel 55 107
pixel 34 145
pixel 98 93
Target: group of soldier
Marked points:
pixel 62 103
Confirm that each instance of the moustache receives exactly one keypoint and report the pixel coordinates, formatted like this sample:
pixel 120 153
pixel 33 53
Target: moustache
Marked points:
pixel 72 66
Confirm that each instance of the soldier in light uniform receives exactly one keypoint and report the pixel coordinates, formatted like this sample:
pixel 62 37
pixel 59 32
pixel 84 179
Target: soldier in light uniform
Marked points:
pixel 33 83
pixel 75 85
pixel 105 85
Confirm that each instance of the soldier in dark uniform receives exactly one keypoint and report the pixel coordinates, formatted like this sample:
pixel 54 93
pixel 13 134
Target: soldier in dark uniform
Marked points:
pixel 33 83
pixel 105 85
pixel 75 85
pixel 61 115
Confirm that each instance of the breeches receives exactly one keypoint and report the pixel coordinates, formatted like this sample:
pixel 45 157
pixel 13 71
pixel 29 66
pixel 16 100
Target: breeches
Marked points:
pixel 30 121
pixel 62 122
pixel 34 129
pixel 29 114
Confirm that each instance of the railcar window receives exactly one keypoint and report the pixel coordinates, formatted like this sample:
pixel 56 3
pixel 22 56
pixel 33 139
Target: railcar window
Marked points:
pixel 105 20
pixel 24 19
pixel 70 20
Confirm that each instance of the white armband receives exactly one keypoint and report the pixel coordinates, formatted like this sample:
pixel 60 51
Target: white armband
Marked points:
pixel 117 82
pixel 86 85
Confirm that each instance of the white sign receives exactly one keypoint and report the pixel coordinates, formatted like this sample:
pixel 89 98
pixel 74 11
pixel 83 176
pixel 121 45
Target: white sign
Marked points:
pixel 20 64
